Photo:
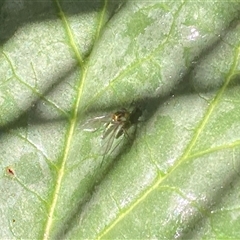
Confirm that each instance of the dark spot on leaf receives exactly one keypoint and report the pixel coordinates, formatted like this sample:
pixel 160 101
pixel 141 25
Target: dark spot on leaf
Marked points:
pixel 10 171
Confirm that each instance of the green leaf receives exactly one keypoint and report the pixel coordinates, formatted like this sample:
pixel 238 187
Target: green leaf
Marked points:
pixel 175 174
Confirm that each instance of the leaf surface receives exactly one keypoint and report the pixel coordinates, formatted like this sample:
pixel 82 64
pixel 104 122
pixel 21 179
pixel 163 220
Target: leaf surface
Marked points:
pixel 175 174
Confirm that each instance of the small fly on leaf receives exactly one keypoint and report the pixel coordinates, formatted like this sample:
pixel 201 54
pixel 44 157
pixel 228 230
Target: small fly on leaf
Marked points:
pixel 115 126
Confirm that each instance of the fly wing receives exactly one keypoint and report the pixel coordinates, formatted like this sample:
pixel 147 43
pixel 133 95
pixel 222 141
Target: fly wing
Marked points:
pixel 91 125
pixel 109 128
pixel 110 136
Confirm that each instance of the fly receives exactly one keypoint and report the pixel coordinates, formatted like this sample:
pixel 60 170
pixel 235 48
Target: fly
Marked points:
pixel 117 125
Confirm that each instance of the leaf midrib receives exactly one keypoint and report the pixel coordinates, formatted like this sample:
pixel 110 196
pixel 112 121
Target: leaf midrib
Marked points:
pixel 73 118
